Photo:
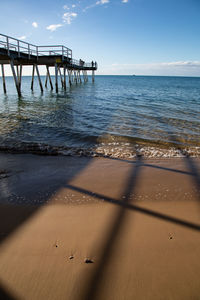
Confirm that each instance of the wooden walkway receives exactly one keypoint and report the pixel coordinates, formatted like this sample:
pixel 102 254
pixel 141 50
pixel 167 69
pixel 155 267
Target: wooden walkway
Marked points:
pixel 18 53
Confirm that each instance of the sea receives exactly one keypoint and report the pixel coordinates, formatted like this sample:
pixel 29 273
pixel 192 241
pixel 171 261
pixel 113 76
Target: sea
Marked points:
pixel 116 116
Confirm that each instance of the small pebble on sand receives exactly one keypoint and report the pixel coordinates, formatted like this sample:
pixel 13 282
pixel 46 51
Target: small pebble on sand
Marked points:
pixel 88 261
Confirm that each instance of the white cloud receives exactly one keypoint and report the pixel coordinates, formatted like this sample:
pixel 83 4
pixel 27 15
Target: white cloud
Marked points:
pixel 68 8
pixel 89 6
pixel 23 37
pixel 102 2
pixel 162 64
pixel 67 17
pixel 182 63
pixel 124 1
pixel 53 27
pixel 35 24
pixel 177 68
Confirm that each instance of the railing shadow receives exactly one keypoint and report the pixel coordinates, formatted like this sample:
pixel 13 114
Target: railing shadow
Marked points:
pixel 113 234
pixel 188 160
pixel 194 172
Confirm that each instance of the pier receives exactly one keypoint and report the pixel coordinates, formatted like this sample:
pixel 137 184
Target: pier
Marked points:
pixel 17 54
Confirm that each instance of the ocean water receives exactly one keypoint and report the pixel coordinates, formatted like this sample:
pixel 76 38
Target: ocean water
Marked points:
pixel 119 116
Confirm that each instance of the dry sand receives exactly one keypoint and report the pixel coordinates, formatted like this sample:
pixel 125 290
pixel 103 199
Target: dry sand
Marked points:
pixel 137 223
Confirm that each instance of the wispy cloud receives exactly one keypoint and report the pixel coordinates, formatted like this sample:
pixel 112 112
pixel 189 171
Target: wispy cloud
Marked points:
pixel 176 68
pixel 68 8
pixel 100 2
pixel 162 64
pixel 69 16
pixel 182 63
pixel 35 24
pixel 53 27
pixel 23 37
pixel 124 1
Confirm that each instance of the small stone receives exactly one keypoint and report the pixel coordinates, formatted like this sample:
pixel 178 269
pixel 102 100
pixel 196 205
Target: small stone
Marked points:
pixel 71 257
pixel 170 237
pixel 88 261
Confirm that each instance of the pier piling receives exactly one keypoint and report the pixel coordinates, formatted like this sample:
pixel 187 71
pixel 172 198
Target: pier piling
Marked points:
pixel 15 78
pixel 65 87
pixel 56 77
pixel 92 75
pixel 49 76
pixel 61 78
pixel 3 78
pixel 69 77
pixel 39 79
pixel 33 74
pixel 46 80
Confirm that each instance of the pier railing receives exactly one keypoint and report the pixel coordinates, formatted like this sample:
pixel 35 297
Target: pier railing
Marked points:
pixel 81 63
pixel 19 46
pixel 55 50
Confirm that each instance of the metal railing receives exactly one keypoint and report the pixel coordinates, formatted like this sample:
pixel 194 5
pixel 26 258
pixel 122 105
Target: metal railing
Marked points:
pixel 21 47
pixel 10 43
pixel 55 50
pixel 81 63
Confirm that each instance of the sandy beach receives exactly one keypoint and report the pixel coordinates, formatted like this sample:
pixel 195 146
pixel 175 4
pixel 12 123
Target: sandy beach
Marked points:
pixel 99 228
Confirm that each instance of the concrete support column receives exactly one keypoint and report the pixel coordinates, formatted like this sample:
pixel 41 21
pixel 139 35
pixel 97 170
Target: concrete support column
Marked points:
pixel 39 79
pixel 64 78
pixel 56 77
pixel 69 77
pixel 92 75
pixel 61 78
pixel 15 78
pixel 3 78
pixel 32 81
pixel 48 77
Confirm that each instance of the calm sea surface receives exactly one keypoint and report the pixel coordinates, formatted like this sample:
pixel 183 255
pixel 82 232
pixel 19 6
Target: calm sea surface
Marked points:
pixel 117 115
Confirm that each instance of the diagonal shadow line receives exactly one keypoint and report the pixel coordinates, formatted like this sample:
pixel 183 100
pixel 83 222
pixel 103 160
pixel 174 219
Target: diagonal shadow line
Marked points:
pixel 139 209
pixel 191 165
pixel 168 169
pixel 187 159
pixel 152 166
pixel 95 281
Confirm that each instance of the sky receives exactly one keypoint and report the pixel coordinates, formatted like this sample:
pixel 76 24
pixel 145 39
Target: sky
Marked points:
pixel 125 37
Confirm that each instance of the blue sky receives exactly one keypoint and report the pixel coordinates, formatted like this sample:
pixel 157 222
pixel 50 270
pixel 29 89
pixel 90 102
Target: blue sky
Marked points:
pixel 158 37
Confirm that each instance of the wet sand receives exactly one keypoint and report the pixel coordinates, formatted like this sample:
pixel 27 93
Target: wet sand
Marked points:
pixel 99 228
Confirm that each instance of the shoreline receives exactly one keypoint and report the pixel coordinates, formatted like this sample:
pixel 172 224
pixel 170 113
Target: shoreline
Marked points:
pixel 112 150
pixel 136 221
